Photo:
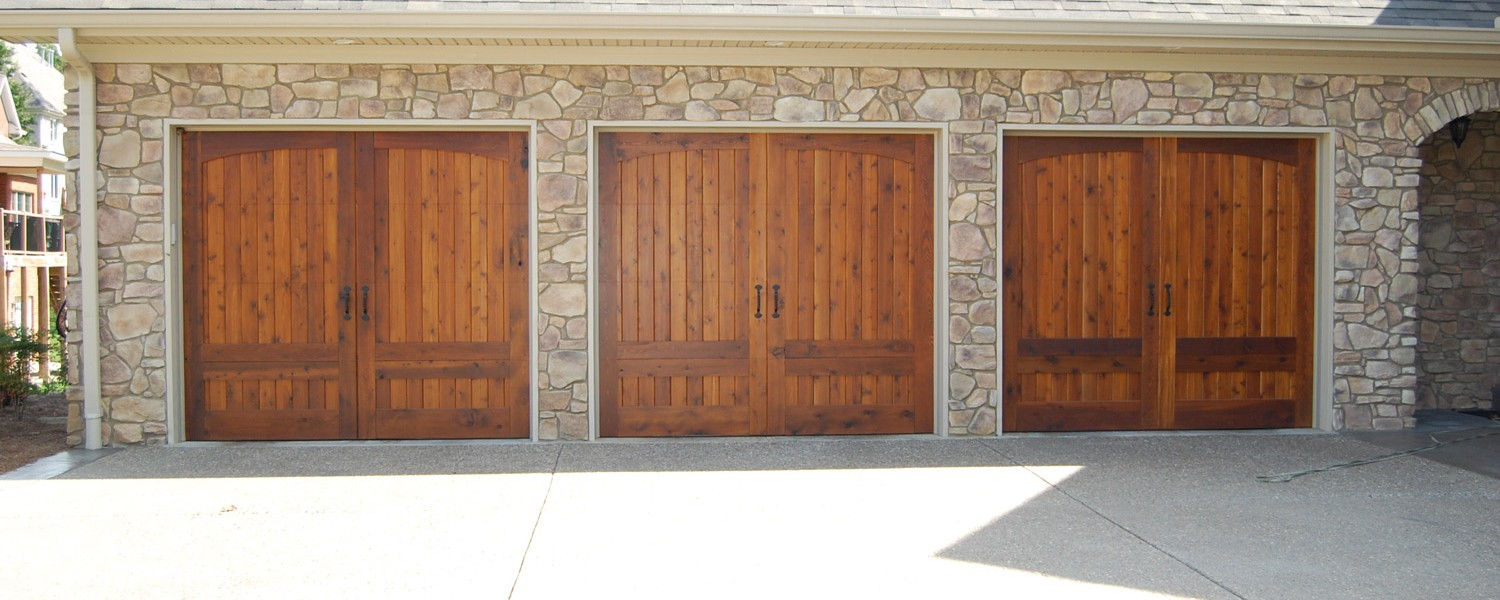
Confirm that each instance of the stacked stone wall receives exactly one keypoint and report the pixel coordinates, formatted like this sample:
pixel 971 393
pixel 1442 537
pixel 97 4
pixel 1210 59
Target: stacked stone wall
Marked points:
pixel 1459 348
pixel 1377 120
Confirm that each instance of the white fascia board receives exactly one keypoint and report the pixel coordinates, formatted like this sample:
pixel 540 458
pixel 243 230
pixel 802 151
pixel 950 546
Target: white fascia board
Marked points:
pixel 32 158
pixel 41 26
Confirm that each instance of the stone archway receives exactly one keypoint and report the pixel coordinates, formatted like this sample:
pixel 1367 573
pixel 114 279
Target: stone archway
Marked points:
pixel 1458 347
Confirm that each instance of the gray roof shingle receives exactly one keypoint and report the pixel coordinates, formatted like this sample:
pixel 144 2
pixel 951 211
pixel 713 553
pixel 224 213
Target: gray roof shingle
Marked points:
pixel 1427 13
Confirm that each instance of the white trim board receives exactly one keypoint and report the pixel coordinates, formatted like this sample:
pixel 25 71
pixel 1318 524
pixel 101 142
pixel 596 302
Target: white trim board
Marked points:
pixel 172 220
pixel 941 191
pixel 1323 241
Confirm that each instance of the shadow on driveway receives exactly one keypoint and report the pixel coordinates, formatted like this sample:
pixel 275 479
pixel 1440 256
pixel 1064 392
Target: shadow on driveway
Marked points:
pixel 1143 516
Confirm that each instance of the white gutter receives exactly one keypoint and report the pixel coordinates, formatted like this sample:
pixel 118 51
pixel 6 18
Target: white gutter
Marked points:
pixel 88 237
pixel 290 25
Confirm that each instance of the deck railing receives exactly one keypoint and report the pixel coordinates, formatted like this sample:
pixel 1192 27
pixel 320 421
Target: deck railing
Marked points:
pixel 31 233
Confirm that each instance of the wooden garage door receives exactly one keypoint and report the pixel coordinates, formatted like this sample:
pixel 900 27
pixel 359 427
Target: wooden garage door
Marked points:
pixel 763 284
pixel 1157 283
pixel 354 285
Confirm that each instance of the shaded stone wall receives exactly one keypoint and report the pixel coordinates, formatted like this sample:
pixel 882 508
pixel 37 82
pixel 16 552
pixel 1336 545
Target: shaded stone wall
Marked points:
pixel 1378 120
pixel 1459 350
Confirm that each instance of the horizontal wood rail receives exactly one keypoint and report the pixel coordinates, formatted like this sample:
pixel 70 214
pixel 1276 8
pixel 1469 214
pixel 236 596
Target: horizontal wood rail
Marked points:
pixel 32 233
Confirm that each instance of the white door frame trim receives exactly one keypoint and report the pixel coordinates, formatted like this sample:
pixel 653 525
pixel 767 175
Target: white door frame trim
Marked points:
pixel 1323 240
pixel 940 198
pixel 171 219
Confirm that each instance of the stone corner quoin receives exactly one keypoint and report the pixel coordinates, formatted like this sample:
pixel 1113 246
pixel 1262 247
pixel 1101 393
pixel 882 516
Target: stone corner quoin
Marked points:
pixel 1378 122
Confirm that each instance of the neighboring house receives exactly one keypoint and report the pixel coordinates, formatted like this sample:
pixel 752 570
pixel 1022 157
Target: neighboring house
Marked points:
pixel 579 220
pixel 32 181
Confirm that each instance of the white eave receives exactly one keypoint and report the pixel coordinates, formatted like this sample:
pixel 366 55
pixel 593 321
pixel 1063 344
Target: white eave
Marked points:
pixel 26 159
pixel 758 40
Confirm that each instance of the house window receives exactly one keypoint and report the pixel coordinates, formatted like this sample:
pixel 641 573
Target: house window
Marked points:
pixel 24 201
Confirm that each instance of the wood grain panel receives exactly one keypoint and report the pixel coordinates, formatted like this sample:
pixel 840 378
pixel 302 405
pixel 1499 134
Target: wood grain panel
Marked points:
pixel 363 285
pixel 758 284
pixel 1241 273
pixel 849 260
pixel 1076 259
pixel 1158 283
pixel 458 214
pixel 267 246
pixel 675 291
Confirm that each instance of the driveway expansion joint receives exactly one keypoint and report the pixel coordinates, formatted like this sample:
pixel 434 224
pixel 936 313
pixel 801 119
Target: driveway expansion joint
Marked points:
pixel 1117 524
pixel 537 522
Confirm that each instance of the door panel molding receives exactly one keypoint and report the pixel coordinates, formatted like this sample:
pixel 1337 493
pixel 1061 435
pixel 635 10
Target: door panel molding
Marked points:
pixel 350 302
pixel 769 295
pixel 1191 182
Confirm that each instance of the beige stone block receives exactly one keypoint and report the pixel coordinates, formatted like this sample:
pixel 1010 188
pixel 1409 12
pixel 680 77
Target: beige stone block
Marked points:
pixel 574 250
pixel 1044 82
pixel 556 399
pixel 565 93
pixel 331 71
pixel 1278 87
pixel 675 91
pixel 113 93
pixel 125 433
pixel 159 105
pixel 540 106
pixel 941 104
pixel 565 367
pixel 249 76
pixel 798 109
pixel 471 77
pixel 133 73
pixel 302 109
pixel 623 108
pixel 132 409
pixel 256 99
pixel 371 109
pixel 966 242
pixel 316 90
pixel 1127 97
pixel 291 73
pixel 113 370
pixel 975 356
pixel 1193 85
pixel 573 426
pixel 130 320
pixel 565 299
pixel 359 88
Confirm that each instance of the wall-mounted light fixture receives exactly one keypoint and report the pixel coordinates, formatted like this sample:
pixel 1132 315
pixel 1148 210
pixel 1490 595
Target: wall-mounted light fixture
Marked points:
pixel 1458 129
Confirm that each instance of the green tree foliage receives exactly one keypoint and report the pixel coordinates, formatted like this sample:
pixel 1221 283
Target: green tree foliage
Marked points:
pixel 21 94
pixel 19 351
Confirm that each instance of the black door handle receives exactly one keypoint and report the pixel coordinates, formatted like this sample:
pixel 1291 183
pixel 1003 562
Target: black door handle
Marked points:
pixel 1168 311
pixel 364 303
pixel 757 300
pixel 1151 298
pixel 776 301
pixel 344 297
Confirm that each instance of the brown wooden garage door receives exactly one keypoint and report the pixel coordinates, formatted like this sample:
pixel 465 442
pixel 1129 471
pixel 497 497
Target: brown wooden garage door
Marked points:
pixel 762 284
pixel 355 285
pixel 1157 283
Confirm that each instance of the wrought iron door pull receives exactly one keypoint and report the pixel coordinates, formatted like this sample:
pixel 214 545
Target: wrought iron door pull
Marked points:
pixel 1151 295
pixel 364 303
pixel 344 297
pixel 776 301
pixel 1168 311
pixel 757 300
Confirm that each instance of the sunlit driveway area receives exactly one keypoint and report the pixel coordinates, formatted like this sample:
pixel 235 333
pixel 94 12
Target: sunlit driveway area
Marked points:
pixel 1030 517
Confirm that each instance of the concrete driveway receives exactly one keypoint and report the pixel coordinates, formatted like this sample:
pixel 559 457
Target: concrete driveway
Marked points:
pixel 1097 517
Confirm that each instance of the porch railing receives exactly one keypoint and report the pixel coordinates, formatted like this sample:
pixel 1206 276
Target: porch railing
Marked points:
pixel 31 233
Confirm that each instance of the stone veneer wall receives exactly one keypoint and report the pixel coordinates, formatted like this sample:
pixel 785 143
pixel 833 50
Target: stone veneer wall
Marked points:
pixel 1379 120
pixel 1458 353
